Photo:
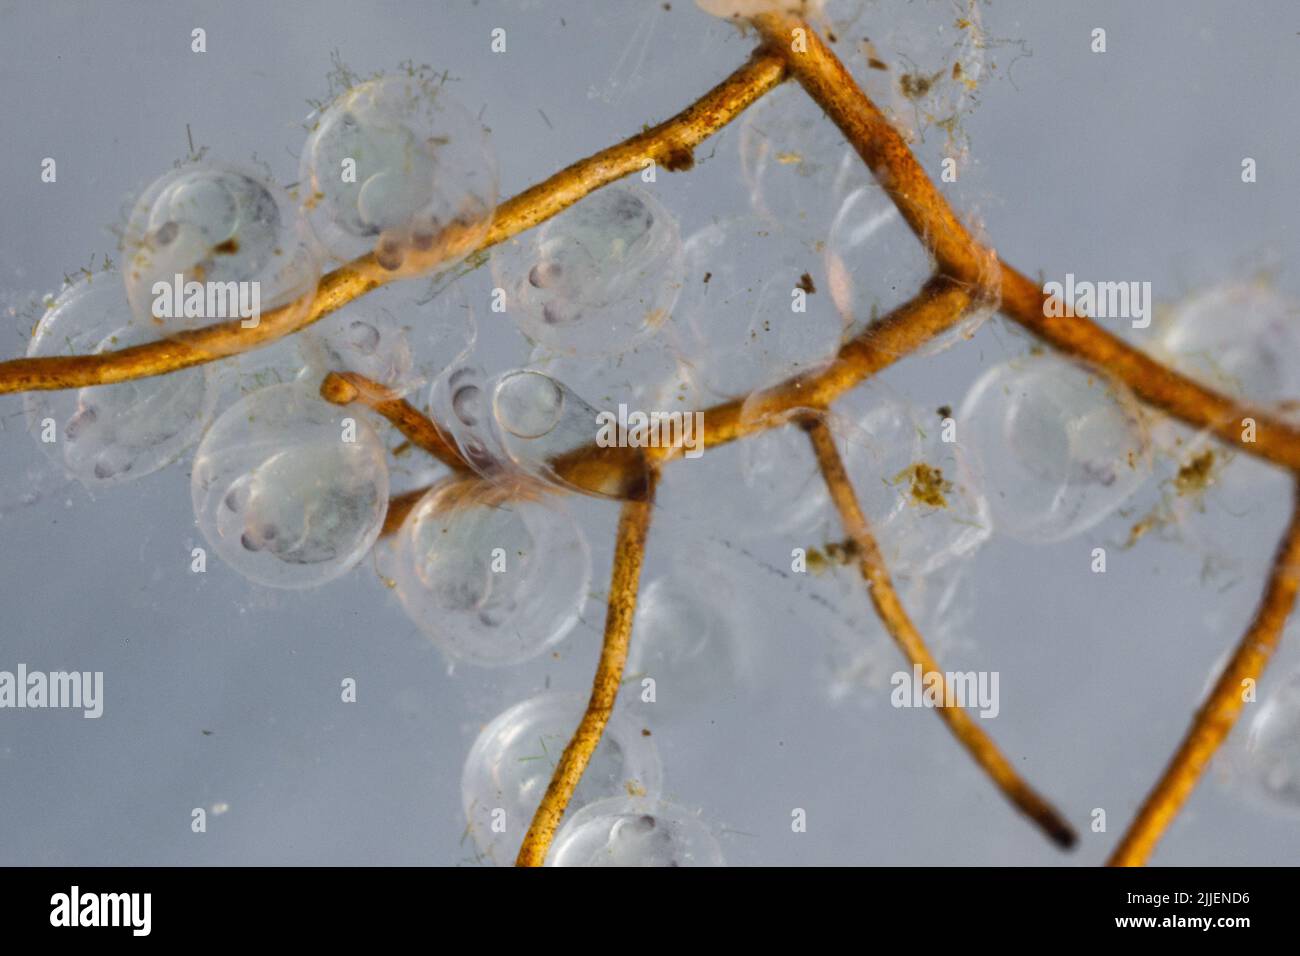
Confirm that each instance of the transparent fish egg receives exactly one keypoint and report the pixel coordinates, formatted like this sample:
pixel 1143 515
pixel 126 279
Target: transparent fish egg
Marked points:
pixel 209 243
pixel 401 335
pixel 107 434
pixel 598 278
pixel 1270 763
pixel 766 484
pixel 754 310
pixel 777 468
pixel 923 536
pixel 795 162
pixel 510 765
pixel 914 479
pixel 491 574
pixel 634 831
pixel 525 425
pixel 460 402
pixel 688 639
pixel 542 423
pixel 1250 357
pixel 393 162
pixel 531 405
pixel 877 431
pixel 650 375
pixel 1059 447
pixel 290 490
pixel 874 264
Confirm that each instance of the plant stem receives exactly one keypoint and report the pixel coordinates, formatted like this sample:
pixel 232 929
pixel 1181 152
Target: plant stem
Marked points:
pixel 887 604
pixel 939 305
pixel 625 580
pixel 1223 705
pixel 932 219
pixel 668 144
pixel 344 388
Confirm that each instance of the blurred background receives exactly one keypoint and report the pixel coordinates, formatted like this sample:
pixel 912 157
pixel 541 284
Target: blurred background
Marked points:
pixel 224 695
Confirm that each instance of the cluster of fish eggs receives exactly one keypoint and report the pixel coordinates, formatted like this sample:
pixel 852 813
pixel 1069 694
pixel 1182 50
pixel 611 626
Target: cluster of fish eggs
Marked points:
pixel 620 303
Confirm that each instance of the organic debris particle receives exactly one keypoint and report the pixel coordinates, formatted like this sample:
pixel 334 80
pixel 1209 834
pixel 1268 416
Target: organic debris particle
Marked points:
pixel 634 789
pixel 707 277
pixel 873 55
pixel 927 487
pixel 806 283
pixel 833 553
pixel 1140 528
pixel 944 411
pixel 789 158
pixel 842 552
pixel 916 85
pixel 1196 475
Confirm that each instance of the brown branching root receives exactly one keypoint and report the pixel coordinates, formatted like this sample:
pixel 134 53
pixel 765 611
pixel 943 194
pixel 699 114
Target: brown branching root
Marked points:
pixel 1222 706
pixel 625 581
pixel 344 388
pixel 970 275
pixel 871 564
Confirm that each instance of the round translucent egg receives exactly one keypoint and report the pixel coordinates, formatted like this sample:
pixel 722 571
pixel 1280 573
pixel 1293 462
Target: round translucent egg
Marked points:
pixel 688 638
pixel 290 490
pixel 754 310
pixel 634 831
pixel 914 479
pixel 874 264
pixel 106 434
pixel 766 484
pixel 512 760
pixel 552 434
pixel 396 166
pixel 1059 447
pixel 209 243
pixel 596 279
pixel 491 573
pixel 795 162
pixel 1271 759
pixel 1238 337
pixel 525 425
pixel 650 376
pixel 460 401
pixel 401 335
